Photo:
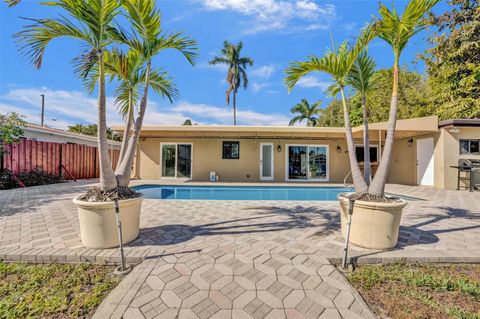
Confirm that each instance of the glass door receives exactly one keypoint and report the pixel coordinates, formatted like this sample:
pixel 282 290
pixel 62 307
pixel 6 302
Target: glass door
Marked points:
pixel 176 160
pixel 266 161
pixel 307 162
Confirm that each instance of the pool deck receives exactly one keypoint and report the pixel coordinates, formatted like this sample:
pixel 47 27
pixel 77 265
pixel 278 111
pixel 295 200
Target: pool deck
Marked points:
pixel 236 259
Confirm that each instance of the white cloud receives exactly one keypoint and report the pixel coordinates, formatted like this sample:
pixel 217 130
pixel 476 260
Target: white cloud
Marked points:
pixel 71 107
pixel 264 72
pixel 257 87
pixel 267 15
pixel 312 82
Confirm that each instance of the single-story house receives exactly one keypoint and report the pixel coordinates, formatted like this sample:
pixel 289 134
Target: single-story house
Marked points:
pixel 424 150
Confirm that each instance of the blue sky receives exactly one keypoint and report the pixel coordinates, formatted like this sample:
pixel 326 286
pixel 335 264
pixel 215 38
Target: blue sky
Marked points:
pixel 274 33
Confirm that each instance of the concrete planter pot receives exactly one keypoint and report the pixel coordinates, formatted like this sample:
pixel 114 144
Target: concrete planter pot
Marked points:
pixel 98 226
pixel 374 225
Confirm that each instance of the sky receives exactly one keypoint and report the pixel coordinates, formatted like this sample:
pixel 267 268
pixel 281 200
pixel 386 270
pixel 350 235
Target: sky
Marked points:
pixel 274 33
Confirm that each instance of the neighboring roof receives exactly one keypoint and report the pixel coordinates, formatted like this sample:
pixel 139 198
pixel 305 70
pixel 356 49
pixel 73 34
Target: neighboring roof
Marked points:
pixel 58 132
pixel 460 122
pixel 409 127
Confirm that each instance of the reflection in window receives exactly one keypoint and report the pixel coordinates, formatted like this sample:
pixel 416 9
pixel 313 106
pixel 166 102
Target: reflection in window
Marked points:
pixel 307 162
pixel 231 150
pixel 469 146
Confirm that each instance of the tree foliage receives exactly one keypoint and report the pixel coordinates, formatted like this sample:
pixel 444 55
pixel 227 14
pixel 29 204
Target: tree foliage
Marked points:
pixel 307 112
pixel 453 63
pixel 332 115
pixel 91 129
pixel 10 128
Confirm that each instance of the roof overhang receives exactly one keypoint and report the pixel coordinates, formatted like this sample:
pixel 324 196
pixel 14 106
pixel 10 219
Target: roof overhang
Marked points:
pixel 459 123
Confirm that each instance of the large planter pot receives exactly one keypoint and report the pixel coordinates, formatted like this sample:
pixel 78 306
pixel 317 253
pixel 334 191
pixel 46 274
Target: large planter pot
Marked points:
pixel 375 225
pixel 98 225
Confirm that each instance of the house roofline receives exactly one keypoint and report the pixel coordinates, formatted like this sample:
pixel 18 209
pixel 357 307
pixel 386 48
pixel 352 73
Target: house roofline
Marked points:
pixel 459 123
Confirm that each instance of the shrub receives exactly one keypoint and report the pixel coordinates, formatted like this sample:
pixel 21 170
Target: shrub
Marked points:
pixel 32 178
pixel 7 180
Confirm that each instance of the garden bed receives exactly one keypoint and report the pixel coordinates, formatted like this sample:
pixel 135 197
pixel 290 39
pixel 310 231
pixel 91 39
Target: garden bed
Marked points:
pixel 53 290
pixel 401 291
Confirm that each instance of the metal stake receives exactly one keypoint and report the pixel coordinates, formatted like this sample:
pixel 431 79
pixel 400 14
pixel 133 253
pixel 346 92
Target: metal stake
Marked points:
pixel 351 203
pixel 43 109
pixel 120 239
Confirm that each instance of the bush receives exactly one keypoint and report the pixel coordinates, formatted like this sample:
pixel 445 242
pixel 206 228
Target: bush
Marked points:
pixel 32 178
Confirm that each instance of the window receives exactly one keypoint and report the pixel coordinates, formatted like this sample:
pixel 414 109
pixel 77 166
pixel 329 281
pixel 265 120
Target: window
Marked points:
pixel 469 146
pixel 307 162
pixel 231 150
pixel 359 152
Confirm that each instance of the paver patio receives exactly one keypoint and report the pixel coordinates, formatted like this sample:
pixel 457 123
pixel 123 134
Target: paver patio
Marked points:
pixel 240 259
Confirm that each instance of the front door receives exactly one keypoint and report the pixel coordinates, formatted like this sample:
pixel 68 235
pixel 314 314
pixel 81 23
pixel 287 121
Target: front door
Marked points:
pixel 425 164
pixel 266 161
pixel 176 160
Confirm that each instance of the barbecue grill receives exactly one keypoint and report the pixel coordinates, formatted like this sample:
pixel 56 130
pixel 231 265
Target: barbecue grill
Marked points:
pixel 471 168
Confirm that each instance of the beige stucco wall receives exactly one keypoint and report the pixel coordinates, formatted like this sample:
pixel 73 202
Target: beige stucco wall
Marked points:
pixel 447 153
pixel 207 156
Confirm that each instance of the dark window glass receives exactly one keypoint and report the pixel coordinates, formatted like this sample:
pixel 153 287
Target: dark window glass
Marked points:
pixel 464 147
pixel 469 146
pixel 231 150
pixel 359 152
pixel 474 146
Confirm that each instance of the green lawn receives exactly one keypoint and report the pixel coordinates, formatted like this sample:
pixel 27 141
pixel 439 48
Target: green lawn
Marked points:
pixel 421 290
pixel 52 290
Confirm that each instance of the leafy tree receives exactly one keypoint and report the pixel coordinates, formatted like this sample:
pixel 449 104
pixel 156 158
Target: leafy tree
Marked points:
pixel 187 122
pixel 10 128
pixel 413 93
pixel 331 116
pixel 91 129
pixel 237 71
pixel 307 112
pixel 453 63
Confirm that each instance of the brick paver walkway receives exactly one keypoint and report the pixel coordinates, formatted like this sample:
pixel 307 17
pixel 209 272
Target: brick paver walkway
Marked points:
pixel 240 259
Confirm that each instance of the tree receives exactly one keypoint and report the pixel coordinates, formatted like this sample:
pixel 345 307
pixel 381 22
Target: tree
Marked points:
pixel 148 40
pixel 413 95
pixel 362 81
pixel 453 63
pixel 91 129
pixel 10 128
pixel 90 22
pixel 397 30
pixel 337 64
pixel 187 122
pixel 307 112
pixel 237 71
pixel 331 116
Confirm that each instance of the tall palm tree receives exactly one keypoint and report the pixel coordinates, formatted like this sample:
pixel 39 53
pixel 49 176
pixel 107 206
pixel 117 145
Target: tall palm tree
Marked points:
pixel 148 41
pixel 362 81
pixel 337 64
pixel 237 71
pixel 307 112
pixel 397 30
pixel 90 22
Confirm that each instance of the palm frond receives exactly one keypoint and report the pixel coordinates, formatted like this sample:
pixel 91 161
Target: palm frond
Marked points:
pixel 163 85
pixel 176 40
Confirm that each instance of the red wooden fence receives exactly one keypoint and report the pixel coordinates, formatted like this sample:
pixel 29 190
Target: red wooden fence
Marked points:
pixel 80 161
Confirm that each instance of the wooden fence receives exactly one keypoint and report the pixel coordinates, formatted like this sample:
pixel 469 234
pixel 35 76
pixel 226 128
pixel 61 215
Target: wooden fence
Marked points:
pixel 69 160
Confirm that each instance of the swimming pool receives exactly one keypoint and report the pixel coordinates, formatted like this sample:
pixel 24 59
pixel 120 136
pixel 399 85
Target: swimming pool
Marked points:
pixel 299 193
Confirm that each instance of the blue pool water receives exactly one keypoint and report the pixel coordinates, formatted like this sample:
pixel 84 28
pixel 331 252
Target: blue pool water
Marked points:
pixel 241 192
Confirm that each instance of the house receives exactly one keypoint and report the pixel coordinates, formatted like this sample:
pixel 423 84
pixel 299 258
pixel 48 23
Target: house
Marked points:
pixel 47 134
pixel 424 150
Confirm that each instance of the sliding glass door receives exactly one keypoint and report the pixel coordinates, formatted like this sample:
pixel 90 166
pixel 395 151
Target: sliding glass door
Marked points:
pixel 176 160
pixel 307 162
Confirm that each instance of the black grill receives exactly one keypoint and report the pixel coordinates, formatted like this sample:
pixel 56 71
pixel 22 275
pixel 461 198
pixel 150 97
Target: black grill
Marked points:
pixel 472 167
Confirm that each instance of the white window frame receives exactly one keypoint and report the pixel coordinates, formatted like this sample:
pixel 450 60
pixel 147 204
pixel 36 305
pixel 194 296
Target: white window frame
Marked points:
pixel 272 162
pixel 370 145
pixel 327 174
pixel 176 159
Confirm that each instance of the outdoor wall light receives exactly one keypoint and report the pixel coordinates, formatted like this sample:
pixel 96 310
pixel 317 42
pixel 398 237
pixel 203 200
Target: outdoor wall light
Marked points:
pixel 410 142
pixel 279 148
pixel 339 149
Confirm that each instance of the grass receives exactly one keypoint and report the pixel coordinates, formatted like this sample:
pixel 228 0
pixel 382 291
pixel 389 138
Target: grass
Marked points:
pixel 402 291
pixel 52 290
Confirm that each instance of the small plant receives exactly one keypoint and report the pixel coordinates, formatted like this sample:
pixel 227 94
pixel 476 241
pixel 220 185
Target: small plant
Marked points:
pixel 33 178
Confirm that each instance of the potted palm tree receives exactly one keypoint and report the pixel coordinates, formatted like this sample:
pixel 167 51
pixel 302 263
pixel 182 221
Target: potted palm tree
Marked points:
pixel 377 217
pixel 92 22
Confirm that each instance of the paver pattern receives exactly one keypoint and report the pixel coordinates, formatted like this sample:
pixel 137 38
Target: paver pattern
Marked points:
pixel 236 259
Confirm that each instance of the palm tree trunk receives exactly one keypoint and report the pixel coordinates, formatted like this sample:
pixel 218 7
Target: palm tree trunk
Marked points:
pixel 234 106
pixel 358 181
pixel 107 177
pixel 128 127
pixel 124 170
pixel 366 144
pixel 377 187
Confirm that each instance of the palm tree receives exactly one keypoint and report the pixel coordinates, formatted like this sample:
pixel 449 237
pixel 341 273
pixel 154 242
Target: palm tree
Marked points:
pixel 338 65
pixel 90 22
pixel 307 112
pixel 148 41
pixel 397 30
pixel 362 81
pixel 237 71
